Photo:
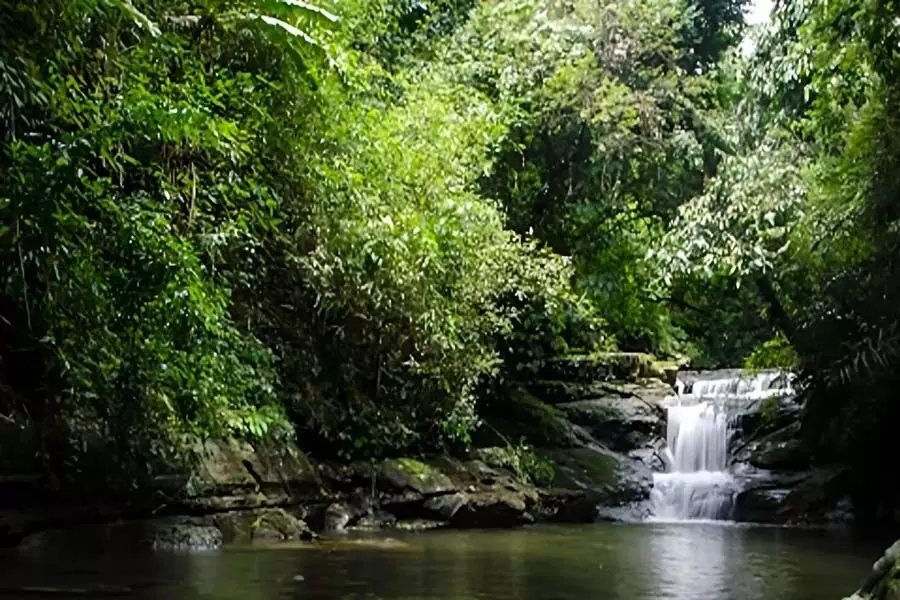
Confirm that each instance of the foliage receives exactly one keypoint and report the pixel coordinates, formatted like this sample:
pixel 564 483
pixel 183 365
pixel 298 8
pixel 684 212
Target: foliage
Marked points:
pixel 608 134
pixel 360 222
pixel 776 353
pixel 249 218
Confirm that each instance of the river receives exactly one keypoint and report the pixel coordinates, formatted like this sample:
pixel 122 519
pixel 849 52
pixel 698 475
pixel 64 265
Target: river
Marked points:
pixel 676 561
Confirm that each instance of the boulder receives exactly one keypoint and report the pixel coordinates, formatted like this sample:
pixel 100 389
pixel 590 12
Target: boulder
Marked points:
pixel 624 421
pixel 489 509
pixel 805 497
pixel 522 415
pixel 610 479
pixel 179 534
pixel 785 455
pixel 270 524
pixel 883 583
pixel 234 468
pixel 408 474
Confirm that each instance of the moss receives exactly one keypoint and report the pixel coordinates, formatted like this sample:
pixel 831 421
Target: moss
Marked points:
pixel 524 416
pixel 409 473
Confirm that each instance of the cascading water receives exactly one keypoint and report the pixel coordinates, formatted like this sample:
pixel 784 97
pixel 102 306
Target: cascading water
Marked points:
pixel 698 483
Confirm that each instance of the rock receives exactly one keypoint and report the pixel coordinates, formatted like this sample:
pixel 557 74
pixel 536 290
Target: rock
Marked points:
pixel 179 534
pixel 234 468
pixel 378 519
pixel 760 505
pixel 884 581
pixel 445 507
pixel 813 497
pixel 409 474
pixel 760 420
pixel 419 525
pixel 786 455
pixel 272 524
pixel 406 505
pixel 337 517
pixel 623 423
pixel 611 479
pixel 490 509
pixel 524 415
pixel 567 506
pixel 781 450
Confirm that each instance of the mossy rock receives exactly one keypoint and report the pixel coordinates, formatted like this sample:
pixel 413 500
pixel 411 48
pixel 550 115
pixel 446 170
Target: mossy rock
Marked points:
pixel 884 581
pixel 270 524
pixel 612 479
pixel 407 473
pixel 524 416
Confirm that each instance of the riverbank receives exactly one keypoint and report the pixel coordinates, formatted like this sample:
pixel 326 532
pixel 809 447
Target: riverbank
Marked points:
pixel 590 433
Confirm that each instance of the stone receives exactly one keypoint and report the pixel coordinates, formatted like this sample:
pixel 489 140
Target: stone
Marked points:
pixel 409 474
pixel 419 525
pixel 524 415
pixel 271 524
pixel 337 517
pixel 491 509
pixel 623 423
pixel 612 479
pixel 232 467
pixel 567 506
pixel 760 505
pixel 378 519
pixel 180 534
pixel 883 583
pixel 803 497
pixel 780 455
pixel 446 506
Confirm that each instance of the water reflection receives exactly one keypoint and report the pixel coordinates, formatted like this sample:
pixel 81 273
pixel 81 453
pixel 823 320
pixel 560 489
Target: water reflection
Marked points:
pixel 612 562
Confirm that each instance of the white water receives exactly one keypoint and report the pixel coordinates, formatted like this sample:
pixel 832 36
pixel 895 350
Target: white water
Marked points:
pixel 698 484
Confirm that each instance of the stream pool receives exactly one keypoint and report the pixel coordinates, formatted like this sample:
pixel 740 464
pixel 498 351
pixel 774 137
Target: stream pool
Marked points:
pixel 658 561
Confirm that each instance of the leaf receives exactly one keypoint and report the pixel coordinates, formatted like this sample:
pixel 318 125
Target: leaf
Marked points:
pixel 289 29
pixel 139 18
pixel 330 17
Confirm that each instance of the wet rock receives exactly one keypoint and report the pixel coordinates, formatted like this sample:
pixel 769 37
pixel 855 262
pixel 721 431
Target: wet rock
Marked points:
pixel 179 534
pixel 378 519
pixel 787 455
pixel 409 474
pixel 524 415
pixel 760 505
pixel 883 583
pixel 271 524
pixel 337 517
pixel 491 509
pixel 623 423
pixel 612 479
pixel 231 468
pixel 445 507
pixel 406 505
pixel 567 506
pixel 813 497
pixel 635 512
pixel 419 525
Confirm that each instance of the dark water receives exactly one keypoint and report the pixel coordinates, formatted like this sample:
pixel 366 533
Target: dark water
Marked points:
pixel 605 562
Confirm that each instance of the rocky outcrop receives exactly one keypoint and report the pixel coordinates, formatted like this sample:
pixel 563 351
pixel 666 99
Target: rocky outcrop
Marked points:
pixel 594 419
pixel 883 583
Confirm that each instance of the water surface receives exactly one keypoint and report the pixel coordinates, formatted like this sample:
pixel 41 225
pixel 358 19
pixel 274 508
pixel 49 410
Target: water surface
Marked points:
pixel 696 561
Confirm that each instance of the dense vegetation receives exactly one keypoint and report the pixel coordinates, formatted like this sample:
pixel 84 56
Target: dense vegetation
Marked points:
pixel 351 222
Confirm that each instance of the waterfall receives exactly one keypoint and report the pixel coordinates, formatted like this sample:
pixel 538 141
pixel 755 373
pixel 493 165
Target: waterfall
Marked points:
pixel 698 483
